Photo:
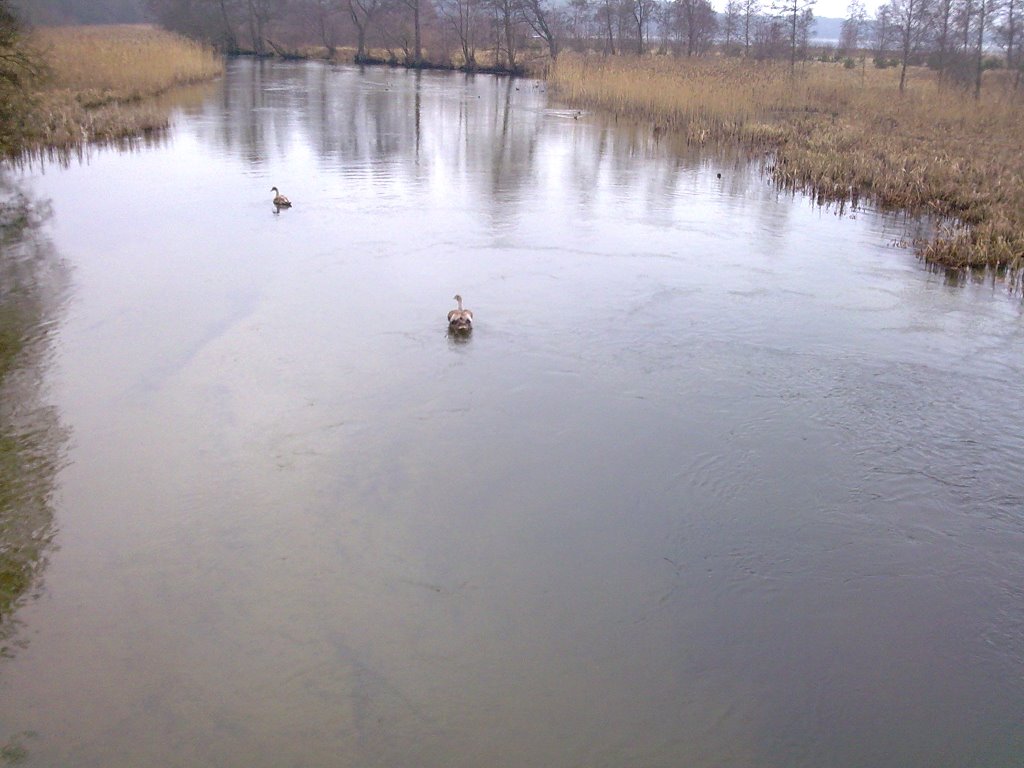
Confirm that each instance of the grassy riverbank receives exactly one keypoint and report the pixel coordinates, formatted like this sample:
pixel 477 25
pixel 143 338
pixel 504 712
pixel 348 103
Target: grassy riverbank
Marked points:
pixel 102 81
pixel 846 134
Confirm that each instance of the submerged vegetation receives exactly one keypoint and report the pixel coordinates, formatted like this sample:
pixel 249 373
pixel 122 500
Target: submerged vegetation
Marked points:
pixel 30 437
pixel 844 134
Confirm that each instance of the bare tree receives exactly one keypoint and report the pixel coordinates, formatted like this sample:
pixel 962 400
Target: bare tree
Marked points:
pixel 798 15
pixel 942 23
pixel 505 22
pixel 984 9
pixel 731 20
pixel 201 19
pixel 664 22
pixel 260 14
pixel 912 20
pixel 461 16
pixel 642 11
pixel 606 14
pixel 363 14
pixel 228 40
pixel 416 7
pixel 853 27
pixel 580 20
pixel 1008 35
pixel 389 30
pixel 963 18
pixel 769 37
pixel 696 23
pixel 804 25
pixel 884 33
pixel 321 16
pixel 751 9
pixel 546 21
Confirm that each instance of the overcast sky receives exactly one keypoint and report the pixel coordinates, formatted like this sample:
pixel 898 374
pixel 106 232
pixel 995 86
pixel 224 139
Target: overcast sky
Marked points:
pixel 836 9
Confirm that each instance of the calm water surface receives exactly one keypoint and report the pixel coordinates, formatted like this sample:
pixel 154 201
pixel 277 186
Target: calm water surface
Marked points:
pixel 721 478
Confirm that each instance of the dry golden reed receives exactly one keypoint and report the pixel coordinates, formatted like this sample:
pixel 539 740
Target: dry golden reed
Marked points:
pixel 124 62
pixel 103 80
pixel 842 133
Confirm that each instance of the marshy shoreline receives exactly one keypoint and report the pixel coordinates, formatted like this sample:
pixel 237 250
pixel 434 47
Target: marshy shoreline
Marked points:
pixel 103 83
pixel 843 135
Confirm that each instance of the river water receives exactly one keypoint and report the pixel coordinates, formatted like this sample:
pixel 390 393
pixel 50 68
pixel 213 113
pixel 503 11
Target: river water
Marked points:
pixel 721 477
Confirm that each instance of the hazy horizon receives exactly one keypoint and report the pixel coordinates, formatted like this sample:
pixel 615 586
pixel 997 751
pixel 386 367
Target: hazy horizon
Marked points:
pixel 823 9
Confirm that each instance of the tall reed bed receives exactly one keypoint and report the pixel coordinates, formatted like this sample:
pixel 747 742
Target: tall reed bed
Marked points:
pixel 103 80
pixel 842 133
pixel 124 62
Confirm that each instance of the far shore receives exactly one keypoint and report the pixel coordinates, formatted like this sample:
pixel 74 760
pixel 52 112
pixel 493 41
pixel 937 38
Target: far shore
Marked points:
pixel 842 133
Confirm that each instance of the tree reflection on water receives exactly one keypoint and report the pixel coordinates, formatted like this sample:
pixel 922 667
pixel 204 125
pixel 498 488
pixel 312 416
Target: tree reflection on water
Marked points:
pixel 32 286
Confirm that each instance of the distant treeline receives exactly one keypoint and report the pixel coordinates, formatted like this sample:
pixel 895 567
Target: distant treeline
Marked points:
pixel 959 38
pixel 503 34
pixel 953 36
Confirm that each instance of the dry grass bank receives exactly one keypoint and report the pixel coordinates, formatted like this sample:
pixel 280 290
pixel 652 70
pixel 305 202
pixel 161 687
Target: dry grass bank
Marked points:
pixel 103 80
pixel 843 133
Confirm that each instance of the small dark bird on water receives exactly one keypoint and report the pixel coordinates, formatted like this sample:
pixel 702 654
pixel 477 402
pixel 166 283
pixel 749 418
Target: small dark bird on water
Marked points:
pixel 460 320
pixel 280 200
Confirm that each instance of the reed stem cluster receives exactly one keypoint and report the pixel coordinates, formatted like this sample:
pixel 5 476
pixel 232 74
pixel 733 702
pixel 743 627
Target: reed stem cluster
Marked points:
pixel 103 79
pixel 843 134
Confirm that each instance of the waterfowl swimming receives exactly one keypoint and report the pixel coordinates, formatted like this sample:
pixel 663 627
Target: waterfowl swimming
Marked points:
pixel 280 200
pixel 460 319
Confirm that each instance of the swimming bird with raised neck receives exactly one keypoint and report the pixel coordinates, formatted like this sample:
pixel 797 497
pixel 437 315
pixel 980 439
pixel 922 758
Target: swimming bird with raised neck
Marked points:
pixel 460 320
pixel 280 200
